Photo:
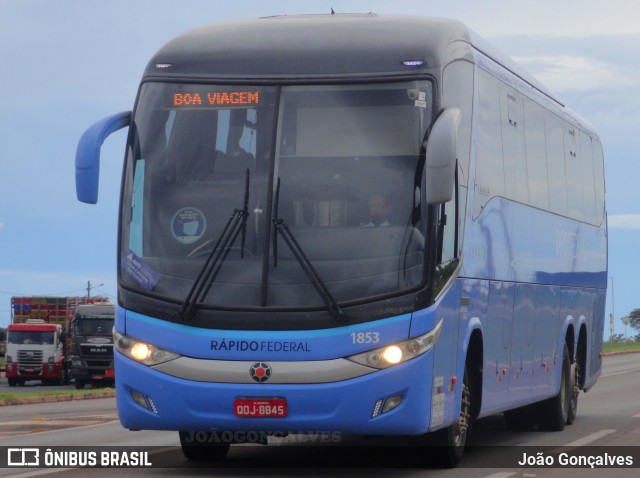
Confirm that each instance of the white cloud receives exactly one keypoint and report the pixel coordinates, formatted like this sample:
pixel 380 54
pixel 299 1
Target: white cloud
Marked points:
pixel 1 226
pixel 549 17
pixel 565 72
pixel 625 221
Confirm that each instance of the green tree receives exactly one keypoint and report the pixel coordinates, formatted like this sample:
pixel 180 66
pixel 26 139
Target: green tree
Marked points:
pixel 634 315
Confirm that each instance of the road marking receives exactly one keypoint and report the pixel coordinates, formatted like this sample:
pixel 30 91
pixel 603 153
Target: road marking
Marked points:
pixel 636 416
pixel 502 474
pixel 590 438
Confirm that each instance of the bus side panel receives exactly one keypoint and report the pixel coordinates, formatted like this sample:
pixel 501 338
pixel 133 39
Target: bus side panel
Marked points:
pixel 521 363
pixel 448 366
pixel 474 304
pixel 545 337
pixel 595 332
pixel 498 326
pixel 566 268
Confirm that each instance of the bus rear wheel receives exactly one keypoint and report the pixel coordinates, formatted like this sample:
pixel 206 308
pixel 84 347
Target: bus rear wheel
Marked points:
pixel 554 412
pixel 575 391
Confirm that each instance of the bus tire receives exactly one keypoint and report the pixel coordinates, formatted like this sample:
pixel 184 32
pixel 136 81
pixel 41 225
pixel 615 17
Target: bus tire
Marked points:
pixel 204 450
pixel 575 391
pixel 553 413
pixel 448 443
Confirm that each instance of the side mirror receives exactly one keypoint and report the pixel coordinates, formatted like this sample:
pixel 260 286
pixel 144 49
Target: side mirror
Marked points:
pixel 88 154
pixel 440 165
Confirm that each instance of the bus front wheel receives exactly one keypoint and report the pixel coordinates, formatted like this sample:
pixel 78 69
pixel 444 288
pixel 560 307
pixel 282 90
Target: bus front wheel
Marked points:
pixel 447 445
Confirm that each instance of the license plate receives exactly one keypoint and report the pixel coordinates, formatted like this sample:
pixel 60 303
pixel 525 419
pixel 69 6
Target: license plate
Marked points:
pixel 260 407
pixel 109 373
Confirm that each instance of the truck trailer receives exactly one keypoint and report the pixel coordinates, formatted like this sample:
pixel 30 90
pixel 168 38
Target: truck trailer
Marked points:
pixel 53 310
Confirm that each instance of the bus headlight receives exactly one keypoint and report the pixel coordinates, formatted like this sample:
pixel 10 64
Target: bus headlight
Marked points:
pixel 141 352
pixel 400 352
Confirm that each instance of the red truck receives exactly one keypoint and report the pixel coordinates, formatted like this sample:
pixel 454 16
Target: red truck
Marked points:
pixel 35 351
pixel 36 348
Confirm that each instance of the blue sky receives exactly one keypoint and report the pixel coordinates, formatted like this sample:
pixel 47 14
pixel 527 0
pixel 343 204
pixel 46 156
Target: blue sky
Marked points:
pixel 68 63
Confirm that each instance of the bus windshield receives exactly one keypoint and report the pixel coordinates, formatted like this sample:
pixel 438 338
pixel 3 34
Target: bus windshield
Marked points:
pixel 339 165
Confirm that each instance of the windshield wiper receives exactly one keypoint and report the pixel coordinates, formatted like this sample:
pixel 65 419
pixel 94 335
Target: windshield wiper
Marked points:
pixel 281 227
pixel 237 223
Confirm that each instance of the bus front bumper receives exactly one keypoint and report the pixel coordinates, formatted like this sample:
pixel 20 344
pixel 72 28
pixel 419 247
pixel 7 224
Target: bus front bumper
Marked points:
pixel 151 400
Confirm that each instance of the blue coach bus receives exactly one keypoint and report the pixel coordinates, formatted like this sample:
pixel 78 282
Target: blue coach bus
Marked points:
pixel 367 224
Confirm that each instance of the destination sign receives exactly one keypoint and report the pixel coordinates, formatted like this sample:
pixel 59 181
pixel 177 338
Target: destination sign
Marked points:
pixel 216 98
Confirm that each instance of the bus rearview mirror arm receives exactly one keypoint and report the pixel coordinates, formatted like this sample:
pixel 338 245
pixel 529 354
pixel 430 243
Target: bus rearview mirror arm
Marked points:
pixel 88 154
pixel 441 154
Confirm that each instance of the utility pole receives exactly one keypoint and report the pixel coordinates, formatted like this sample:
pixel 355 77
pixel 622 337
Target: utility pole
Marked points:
pixel 89 287
pixel 613 312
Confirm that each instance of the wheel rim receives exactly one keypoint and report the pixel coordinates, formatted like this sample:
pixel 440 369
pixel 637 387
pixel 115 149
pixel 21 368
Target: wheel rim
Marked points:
pixel 462 426
pixel 566 389
pixel 576 382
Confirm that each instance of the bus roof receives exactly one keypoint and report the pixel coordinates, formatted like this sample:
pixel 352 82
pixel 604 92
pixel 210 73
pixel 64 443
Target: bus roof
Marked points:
pixel 298 48
pixel 328 46
pixel 308 46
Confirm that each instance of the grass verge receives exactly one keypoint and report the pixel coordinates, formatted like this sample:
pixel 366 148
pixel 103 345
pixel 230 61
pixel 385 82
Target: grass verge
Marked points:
pixel 42 396
pixel 620 347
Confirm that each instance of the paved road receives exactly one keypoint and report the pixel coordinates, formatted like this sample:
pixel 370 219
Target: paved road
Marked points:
pixel 30 386
pixel 609 415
